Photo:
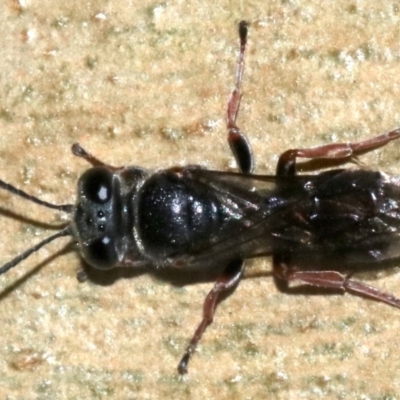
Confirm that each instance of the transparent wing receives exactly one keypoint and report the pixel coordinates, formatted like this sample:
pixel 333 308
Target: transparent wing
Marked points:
pixel 351 214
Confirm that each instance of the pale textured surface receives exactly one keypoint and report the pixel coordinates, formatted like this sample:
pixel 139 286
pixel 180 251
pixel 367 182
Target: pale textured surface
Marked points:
pixel 147 85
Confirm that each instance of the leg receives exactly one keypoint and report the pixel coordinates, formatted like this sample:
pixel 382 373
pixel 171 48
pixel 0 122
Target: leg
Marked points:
pixel 330 280
pixel 287 161
pixel 227 281
pixel 238 142
pixel 79 151
pixel 82 276
pixel 279 263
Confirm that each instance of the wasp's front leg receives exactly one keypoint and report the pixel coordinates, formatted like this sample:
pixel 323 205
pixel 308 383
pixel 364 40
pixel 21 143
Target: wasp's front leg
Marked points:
pixel 79 151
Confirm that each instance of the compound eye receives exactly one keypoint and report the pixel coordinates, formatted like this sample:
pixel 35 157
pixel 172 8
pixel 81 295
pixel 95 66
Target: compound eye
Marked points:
pixel 101 253
pixel 96 185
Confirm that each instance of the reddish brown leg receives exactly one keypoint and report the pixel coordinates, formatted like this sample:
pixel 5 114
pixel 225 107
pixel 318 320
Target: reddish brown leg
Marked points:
pixel 79 151
pixel 287 161
pixel 238 142
pixel 227 281
pixel 243 154
pixel 330 280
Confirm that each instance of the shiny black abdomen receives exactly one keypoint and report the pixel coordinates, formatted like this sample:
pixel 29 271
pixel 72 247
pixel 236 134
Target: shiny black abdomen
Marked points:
pixel 349 214
pixel 176 215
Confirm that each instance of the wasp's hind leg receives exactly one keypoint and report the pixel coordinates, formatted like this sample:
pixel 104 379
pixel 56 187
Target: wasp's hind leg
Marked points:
pixel 337 151
pixel 238 142
pixel 284 273
pixel 226 282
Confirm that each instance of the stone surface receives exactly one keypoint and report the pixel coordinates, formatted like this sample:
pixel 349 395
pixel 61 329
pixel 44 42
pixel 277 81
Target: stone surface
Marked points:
pixel 146 84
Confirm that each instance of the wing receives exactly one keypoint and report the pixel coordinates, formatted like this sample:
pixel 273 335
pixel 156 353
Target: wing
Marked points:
pixel 350 214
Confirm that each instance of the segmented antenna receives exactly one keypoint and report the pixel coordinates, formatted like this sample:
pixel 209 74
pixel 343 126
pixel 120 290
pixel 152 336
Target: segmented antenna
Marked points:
pixel 65 232
pixel 68 208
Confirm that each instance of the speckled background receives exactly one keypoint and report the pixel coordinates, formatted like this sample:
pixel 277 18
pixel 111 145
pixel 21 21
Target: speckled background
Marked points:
pixel 146 84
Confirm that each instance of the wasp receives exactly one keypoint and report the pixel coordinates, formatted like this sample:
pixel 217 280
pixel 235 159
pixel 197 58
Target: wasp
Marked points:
pixel 319 229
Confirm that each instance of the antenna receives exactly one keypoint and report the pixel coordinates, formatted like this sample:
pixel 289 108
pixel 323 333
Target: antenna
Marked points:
pixel 68 208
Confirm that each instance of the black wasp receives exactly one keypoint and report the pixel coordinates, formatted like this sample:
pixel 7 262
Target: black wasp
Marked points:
pixel 194 218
